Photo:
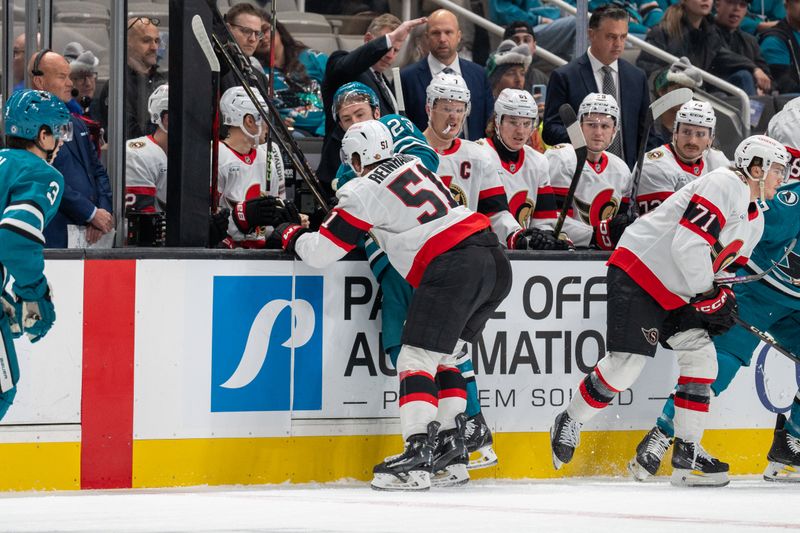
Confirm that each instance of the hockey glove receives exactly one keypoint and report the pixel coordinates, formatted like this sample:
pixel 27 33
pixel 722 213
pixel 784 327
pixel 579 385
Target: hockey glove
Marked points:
pixel 536 239
pixel 609 231
pixel 717 308
pixel 261 211
pixel 316 219
pixel 289 234
pixel 38 313
pixel 218 227
pixel 12 310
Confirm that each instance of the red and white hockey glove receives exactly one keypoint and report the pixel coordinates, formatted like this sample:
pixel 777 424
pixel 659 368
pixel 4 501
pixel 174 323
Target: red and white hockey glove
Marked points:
pixel 289 234
pixel 608 233
pixel 717 307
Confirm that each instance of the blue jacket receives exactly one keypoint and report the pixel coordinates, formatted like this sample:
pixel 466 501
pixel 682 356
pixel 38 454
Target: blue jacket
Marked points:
pixel 569 84
pixel 415 79
pixel 86 185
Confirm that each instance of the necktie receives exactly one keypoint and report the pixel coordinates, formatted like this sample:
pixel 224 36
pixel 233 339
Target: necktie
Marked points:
pixel 448 70
pixel 384 88
pixel 609 87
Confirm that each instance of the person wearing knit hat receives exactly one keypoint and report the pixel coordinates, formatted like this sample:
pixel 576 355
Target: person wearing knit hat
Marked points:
pixel 521 32
pixel 83 73
pixel 507 66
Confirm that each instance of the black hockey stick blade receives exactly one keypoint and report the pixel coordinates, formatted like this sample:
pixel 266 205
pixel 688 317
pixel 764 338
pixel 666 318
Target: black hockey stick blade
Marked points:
pixel 578 142
pixel 199 30
pixel 766 338
pixel 755 277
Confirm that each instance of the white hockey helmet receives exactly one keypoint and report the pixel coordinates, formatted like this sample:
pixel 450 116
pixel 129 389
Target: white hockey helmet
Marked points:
pixel 768 150
pixel 158 103
pixel 370 139
pixel 697 113
pixel 515 103
pixel 448 87
pixel 235 104
pixel 599 103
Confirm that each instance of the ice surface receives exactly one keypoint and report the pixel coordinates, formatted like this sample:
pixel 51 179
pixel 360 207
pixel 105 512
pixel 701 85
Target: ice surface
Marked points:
pixel 585 505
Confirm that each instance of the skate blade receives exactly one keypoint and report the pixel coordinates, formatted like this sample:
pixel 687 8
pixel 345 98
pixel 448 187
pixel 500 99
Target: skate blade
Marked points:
pixel 781 473
pixel 694 478
pixel 483 458
pixel 638 472
pixel 414 480
pixel 451 476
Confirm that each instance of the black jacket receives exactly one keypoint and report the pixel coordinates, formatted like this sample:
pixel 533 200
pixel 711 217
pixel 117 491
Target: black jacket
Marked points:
pixel 786 78
pixel 743 44
pixel 138 88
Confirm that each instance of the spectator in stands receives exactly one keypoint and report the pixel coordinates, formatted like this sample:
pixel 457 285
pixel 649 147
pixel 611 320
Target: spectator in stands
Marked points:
pixel 556 35
pixel 86 204
pixel 728 17
pixel 141 78
pixel 299 71
pixel 508 67
pixel 679 74
pixel 521 32
pixel 245 22
pixel 600 69
pixel 18 64
pixel 780 48
pixel 83 73
pixel 382 41
pixel 763 15
pixel 688 30
pixel 443 37
pixel 416 47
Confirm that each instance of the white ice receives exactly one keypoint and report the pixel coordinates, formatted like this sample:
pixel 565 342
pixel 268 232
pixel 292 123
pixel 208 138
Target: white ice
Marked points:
pixel 587 505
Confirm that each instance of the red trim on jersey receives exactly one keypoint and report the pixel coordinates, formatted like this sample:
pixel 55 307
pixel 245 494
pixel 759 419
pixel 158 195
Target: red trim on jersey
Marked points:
pixel 453 148
pixel 741 261
pixel 152 139
pixel 654 197
pixel 254 191
pixel 601 200
pixel 419 397
pixel 713 209
pixel 325 232
pixel 408 373
pixel 794 152
pixel 443 241
pixel 599 166
pixel 443 368
pixel 603 380
pixel 752 211
pixel 690 405
pixel 453 393
pixel 721 260
pixel 494 191
pixel 695 169
pixel 516 203
pixel 507 164
pixel 644 277
pixel 353 220
pixel 683 380
pixel 243 157
pixel 588 397
pixel 561 195
pixel 141 191
pixel 447 180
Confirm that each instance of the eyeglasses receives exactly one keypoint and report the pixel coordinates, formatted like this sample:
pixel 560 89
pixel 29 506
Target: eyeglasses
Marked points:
pixel 249 33
pixel 145 20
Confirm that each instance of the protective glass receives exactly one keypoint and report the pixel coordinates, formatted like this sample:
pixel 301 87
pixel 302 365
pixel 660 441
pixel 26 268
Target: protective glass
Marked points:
pixel 63 132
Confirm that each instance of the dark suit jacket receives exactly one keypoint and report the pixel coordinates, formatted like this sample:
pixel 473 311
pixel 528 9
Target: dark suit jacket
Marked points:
pixel 569 84
pixel 344 67
pixel 86 185
pixel 416 78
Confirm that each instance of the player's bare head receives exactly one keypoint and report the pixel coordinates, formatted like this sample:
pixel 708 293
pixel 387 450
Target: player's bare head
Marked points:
pixel 447 105
pixel 240 113
pixel 599 116
pixel 443 35
pixel 354 102
pixel 515 115
pixel 366 144
pixel 764 161
pixel 693 134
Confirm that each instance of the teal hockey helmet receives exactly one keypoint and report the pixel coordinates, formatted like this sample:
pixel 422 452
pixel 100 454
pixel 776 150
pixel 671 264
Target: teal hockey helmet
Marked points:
pixel 354 92
pixel 28 110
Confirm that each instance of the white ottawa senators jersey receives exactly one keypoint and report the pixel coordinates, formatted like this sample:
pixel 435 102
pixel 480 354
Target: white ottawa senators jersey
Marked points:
pixel 145 176
pixel 674 251
pixel 475 183
pixel 794 163
pixel 243 177
pixel 527 184
pixel 412 215
pixel 603 187
pixel 663 174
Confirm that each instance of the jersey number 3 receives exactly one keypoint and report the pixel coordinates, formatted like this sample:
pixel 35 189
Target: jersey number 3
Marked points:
pixel 423 196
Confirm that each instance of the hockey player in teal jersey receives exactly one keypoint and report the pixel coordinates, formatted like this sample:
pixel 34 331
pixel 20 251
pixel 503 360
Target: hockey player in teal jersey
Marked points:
pixel 36 123
pixel 771 304
pixel 355 102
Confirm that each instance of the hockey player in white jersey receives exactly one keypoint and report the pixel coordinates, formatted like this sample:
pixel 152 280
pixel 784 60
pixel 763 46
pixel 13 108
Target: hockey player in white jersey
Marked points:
pixel 597 216
pixel 460 274
pixel 671 166
pixel 661 288
pixel 783 128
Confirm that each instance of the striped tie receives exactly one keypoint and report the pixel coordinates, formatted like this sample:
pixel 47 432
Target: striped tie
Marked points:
pixel 609 87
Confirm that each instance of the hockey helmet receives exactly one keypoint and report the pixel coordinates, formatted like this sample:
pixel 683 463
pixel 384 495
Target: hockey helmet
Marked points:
pixel 158 103
pixel 235 104
pixel 353 93
pixel 28 110
pixel 697 113
pixel 599 103
pixel 768 150
pixel 514 103
pixel 370 139
pixel 448 87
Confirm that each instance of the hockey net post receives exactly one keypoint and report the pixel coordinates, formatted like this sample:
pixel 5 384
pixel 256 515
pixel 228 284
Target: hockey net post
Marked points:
pixel 578 142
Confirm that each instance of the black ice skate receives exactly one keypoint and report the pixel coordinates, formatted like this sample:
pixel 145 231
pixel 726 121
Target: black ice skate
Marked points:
pixel 783 456
pixel 649 454
pixel 565 435
pixel 410 470
pixel 478 438
pixel 450 457
pixel 692 466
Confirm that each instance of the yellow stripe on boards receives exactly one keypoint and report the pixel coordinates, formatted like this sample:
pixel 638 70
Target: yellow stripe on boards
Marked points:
pixel 41 466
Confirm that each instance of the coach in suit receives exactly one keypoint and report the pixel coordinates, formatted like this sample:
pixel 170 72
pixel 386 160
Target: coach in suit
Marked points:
pixel 601 70
pixel 443 37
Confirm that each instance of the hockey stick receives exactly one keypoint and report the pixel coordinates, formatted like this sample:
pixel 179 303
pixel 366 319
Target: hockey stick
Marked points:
pixel 398 91
pixel 755 277
pixel 766 338
pixel 659 107
pixel 569 119
pixel 200 34
pixel 271 88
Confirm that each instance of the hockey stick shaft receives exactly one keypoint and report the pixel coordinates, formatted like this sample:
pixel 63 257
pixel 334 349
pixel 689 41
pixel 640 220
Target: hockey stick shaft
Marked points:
pixel 578 142
pixel 766 338
pixel 656 109
pixel 755 277
pixel 271 87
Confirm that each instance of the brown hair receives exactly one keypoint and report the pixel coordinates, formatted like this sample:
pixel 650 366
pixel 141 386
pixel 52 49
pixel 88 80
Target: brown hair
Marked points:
pixel 673 20
pixel 242 9
pixel 292 66
pixel 387 20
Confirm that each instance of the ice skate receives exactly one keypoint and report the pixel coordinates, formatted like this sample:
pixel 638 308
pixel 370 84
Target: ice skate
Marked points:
pixel 783 456
pixel 649 454
pixel 565 435
pixel 478 439
pixel 450 457
pixel 694 467
pixel 410 470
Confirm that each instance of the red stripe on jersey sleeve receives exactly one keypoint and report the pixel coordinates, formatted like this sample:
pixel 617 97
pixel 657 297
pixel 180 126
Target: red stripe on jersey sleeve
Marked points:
pixel 644 277
pixel 141 191
pixel 653 197
pixel 683 380
pixel 325 232
pixel 353 220
pixel 443 241
pixel 494 191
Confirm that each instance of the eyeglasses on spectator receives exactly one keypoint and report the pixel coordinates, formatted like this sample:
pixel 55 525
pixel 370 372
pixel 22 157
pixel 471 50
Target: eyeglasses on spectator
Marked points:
pixel 248 32
pixel 145 20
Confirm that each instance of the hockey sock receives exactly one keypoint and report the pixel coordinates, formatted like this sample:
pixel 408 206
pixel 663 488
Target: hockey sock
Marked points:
pixel 614 373
pixel 419 400
pixel 452 396
pixel 665 420
pixel 793 422
pixel 464 363
pixel 692 400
